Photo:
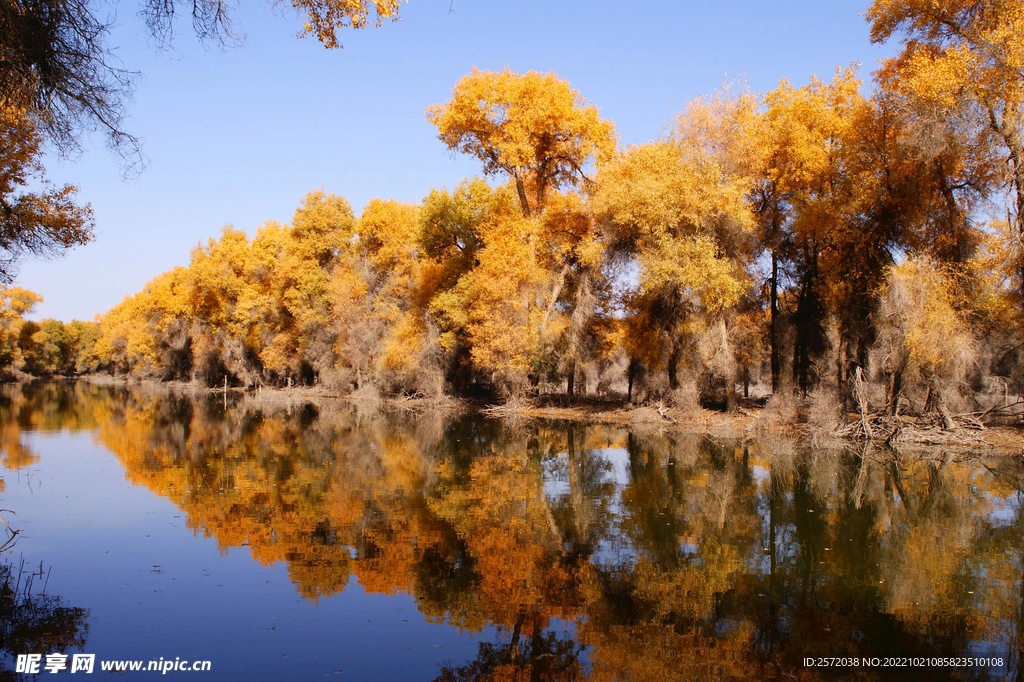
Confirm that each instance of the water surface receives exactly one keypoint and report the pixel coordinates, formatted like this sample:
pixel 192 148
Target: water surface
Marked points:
pixel 303 542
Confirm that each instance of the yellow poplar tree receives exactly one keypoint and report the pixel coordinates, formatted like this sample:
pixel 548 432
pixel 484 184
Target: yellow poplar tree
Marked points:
pixel 925 341
pixel 15 303
pixel 533 127
pixel 805 198
pixel 961 54
pixel 672 206
pixel 400 296
pixel 322 227
pixel 495 307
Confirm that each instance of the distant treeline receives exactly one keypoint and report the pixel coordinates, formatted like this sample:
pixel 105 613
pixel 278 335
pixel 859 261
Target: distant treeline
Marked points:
pixel 45 348
pixel 804 240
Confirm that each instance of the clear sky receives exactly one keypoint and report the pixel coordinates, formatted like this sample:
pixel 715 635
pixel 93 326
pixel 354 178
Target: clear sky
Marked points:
pixel 240 136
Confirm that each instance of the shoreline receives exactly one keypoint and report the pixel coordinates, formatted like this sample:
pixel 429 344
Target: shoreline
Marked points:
pixel 749 422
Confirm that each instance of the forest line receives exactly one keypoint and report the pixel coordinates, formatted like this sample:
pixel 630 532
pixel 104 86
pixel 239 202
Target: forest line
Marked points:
pixel 808 240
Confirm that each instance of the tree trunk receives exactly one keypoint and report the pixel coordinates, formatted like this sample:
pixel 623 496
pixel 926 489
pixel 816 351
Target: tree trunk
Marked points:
pixel 730 394
pixel 630 375
pixel 895 388
pixel 957 226
pixel 776 356
pixel 524 201
pixel 730 370
pixel 940 407
pixel 673 368
pixel 556 291
pixel 571 386
pixel 862 403
pixel 582 313
pixel 839 371
pixel 1018 182
pixel 811 338
pixel 1011 135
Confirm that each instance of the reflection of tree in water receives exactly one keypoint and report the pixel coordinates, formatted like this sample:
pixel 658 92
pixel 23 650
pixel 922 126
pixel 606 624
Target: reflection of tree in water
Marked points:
pixel 1007 616
pixel 707 560
pixel 825 573
pixel 13 453
pixel 582 512
pixel 34 622
pixel 530 653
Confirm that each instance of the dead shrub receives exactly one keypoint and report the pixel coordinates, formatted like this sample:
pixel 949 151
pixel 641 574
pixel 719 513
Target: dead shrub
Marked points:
pixel 925 344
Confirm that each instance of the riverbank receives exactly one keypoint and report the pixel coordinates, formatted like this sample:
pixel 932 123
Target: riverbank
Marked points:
pixel 755 422
pixel 807 421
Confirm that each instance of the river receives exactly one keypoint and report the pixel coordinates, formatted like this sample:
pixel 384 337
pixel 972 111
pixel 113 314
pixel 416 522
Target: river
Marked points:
pixel 282 540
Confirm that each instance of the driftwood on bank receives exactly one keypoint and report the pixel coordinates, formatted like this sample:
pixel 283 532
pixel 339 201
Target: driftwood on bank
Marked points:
pixel 928 429
pixel 931 424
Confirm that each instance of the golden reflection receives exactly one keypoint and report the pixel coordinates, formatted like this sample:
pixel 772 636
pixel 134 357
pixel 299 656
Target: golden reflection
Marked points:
pixel 596 553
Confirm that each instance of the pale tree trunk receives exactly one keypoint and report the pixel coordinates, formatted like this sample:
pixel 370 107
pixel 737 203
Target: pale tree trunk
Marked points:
pixel 582 312
pixel 1018 181
pixel 775 322
pixel 556 291
pixel 1007 129
pixel 730 368
pixel 672 367
pixel 895 389
pixel 940 406
pixel 860 387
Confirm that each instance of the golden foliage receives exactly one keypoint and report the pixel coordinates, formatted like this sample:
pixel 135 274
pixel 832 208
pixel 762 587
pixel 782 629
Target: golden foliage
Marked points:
pixel 659 261
pixel 964 62
pixel 921 331
pixel 532 127
pixel 678 209
pixel 325 17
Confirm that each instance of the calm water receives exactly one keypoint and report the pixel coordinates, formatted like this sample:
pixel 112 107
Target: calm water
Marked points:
pixel 304 543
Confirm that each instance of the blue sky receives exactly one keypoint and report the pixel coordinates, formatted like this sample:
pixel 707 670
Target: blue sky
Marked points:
pixel 240 135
